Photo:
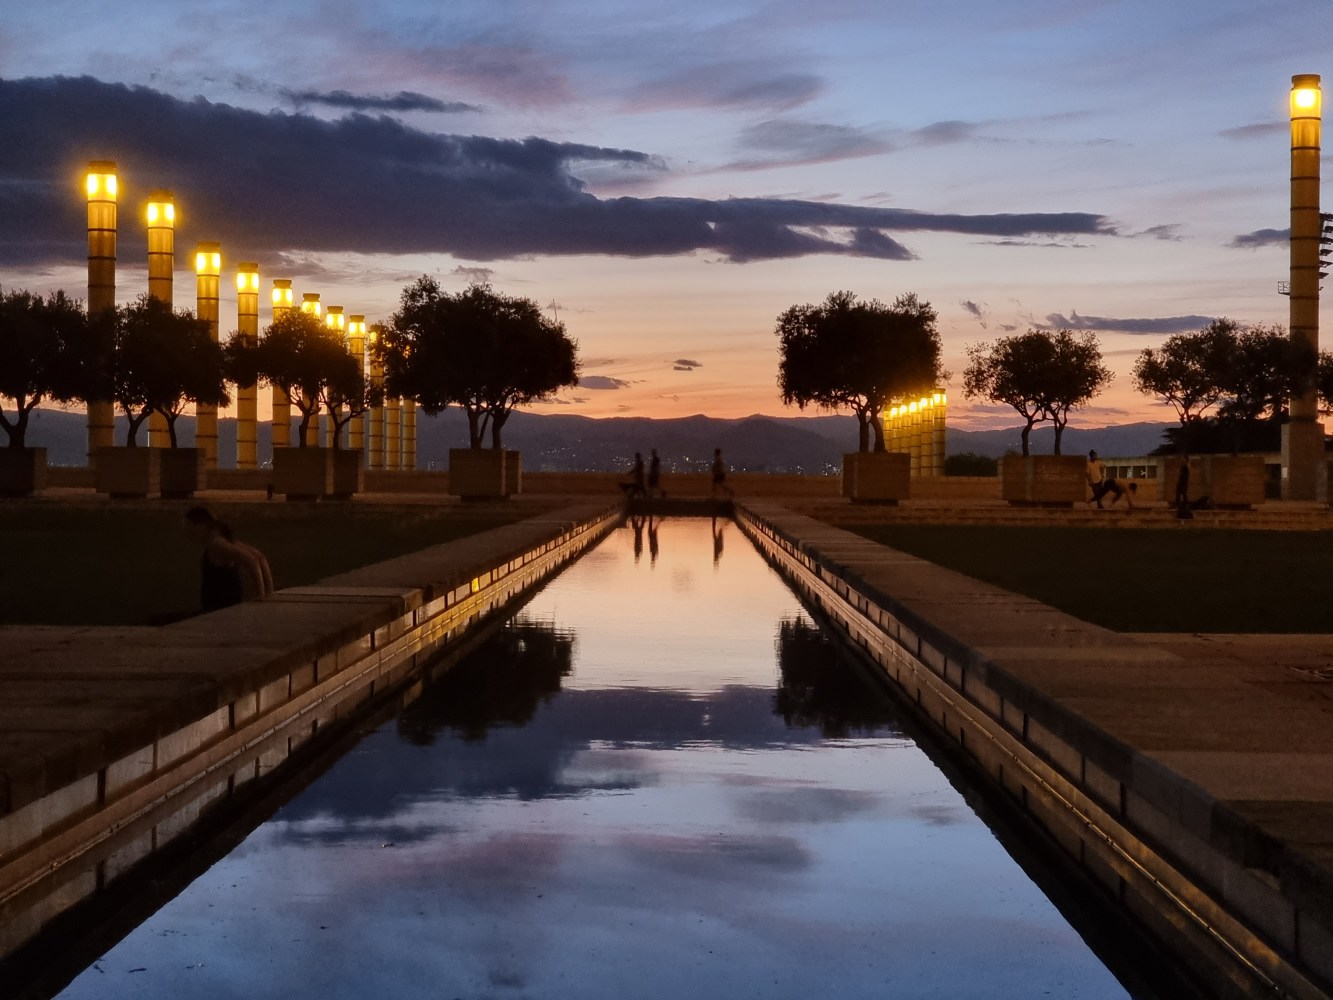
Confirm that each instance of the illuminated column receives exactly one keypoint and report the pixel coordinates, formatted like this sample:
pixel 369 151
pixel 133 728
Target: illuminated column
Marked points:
pixel 376 422
pixel 939 410
pixel 161 266
pixel 281 423
pixel 356 343
pixel 393 455
pixel 337 322
pixel 913 438
pixel 101 185
pixel 247 396
pixel 310 304
pixel 1303 436
pixel 208 278
pixel 410 434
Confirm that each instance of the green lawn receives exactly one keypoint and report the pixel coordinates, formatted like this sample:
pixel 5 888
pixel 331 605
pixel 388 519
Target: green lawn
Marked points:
pixel 113 565
pixel 1145 580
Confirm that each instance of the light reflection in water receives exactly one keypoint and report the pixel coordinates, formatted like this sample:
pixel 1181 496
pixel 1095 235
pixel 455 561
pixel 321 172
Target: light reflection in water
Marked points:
pixel 658 782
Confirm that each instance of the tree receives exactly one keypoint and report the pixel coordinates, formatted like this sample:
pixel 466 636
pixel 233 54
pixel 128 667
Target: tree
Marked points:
pixel 299 355
pixel 847 353
pixel 347 393
pixel 1014 371
pixel 1075 377
pixel 1189 371
pixel 46 353
pixel 161 361
pixel 488 352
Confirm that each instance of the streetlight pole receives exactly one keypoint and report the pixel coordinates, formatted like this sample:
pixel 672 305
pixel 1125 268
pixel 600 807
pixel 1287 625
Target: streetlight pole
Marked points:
pixel 208 281
pixel 247 396
pixel 161 267
pixel 102 187
pixel 281 423
pixel 1303 436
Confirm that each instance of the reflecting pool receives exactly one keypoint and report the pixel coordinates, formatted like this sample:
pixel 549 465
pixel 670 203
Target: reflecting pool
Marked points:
pixel 659 780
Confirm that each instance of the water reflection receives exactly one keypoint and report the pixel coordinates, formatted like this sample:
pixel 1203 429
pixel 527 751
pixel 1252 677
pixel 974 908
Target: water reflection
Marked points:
pixel 634 790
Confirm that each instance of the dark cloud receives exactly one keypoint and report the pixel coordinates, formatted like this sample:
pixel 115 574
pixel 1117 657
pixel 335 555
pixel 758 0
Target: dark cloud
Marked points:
pixel 266 183
pixel 1261 238
pixel 784 143
pixel 474 275
pixel 944 133
pixel 685 365
pixel 726 85
pixel 1169 232
pixel 1259 130
pixel 977 311
pixel 404 100
pixel 1108 324
pixel 603 382
pixel 1035 243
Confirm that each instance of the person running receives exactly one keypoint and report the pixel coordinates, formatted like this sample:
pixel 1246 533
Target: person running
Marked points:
pixel 227 565
pixel 635 487
pixel 1182 498
pixel 655 475
pixel 1100 484
pixel 720 475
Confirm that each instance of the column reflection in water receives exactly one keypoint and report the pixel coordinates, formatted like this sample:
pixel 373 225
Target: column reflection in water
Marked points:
pixel 660 780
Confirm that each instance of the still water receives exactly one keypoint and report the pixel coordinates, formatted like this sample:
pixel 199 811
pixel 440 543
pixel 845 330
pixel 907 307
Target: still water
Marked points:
pixel 659 780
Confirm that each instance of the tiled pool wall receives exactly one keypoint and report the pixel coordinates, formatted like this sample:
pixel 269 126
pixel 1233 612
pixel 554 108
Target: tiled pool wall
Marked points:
pixel 1105 809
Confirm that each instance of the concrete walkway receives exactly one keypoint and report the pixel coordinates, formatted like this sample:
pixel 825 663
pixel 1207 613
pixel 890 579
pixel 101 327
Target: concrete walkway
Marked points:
pixel 1218 750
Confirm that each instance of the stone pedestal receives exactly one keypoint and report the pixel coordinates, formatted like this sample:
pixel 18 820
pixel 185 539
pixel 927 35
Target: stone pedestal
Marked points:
pixel 1231 482
pixel 182 472
pixel 1044 480
pixel 484 473
pixel 22 471
pixel 1302 455
pixel 317 473
pixel 876 477
pixel 129 473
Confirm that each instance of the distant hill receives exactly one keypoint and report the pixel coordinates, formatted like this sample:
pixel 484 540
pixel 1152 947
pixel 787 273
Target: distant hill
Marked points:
pixel 561 442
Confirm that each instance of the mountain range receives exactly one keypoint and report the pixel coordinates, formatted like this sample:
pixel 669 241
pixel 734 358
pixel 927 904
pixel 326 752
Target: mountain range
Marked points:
pixel 568 443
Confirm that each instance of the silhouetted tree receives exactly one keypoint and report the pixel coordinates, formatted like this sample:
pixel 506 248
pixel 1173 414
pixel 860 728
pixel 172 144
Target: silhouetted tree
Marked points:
pixel 347 394
pixel 1189 371
pixel 298 354
pixel 488 352
pixel 819 688
pixel 1013 371
pixel 848 353
pixel 1075 377
pixel 162 360
pixel 46 352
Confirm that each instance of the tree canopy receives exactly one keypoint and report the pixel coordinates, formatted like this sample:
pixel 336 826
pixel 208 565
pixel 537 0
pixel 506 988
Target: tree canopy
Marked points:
pixel 486 351
pixel 163 359
pixel 1014 372
pixel 304 358
pixel 849 353
pixel 46 353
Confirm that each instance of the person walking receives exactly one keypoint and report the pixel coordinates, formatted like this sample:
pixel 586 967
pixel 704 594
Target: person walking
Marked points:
pixel 655 475
pixel 635 487
pixel 1100 484
pixel 227 565
pixel 1182 497
pixel 720 476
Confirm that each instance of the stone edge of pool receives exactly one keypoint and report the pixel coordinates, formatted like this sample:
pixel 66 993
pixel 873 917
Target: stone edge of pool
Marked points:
pixel 105 730
pixel 1032 696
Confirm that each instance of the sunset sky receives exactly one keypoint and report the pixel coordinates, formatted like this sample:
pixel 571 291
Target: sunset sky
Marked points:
pixel 672 176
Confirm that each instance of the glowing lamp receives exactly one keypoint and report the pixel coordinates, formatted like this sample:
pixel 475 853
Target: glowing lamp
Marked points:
pixel 1306 96
pixel 208 262
pixel 247 278
pixel 283 294
pixel 334 319
pixel 310 304
pixel 162 214
pixel 101 183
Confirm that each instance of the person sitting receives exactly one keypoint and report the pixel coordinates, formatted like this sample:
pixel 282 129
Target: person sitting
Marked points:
pixel 227 565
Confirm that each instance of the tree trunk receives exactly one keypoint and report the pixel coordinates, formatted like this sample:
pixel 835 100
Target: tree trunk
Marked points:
pixel 877 429
pixel 132 432
pixel 1059 431
pixel 1027 432
pixel 497 426
pixel 171 428
pixel 302 428
pixel 863 432
pixel 474 428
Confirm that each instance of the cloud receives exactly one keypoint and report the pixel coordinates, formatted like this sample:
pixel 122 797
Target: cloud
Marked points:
pixel 785 143
pixel 474 275
pixel 267 183
pixel 944 133
pixel 603 382
pixel 404 100
pixel 1261 238
pixel 1034 243
pixel 1168 232
pixel 727 85
pixel 1163 324
pixel 685 365
pixel 977 311
pixel 1259 130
